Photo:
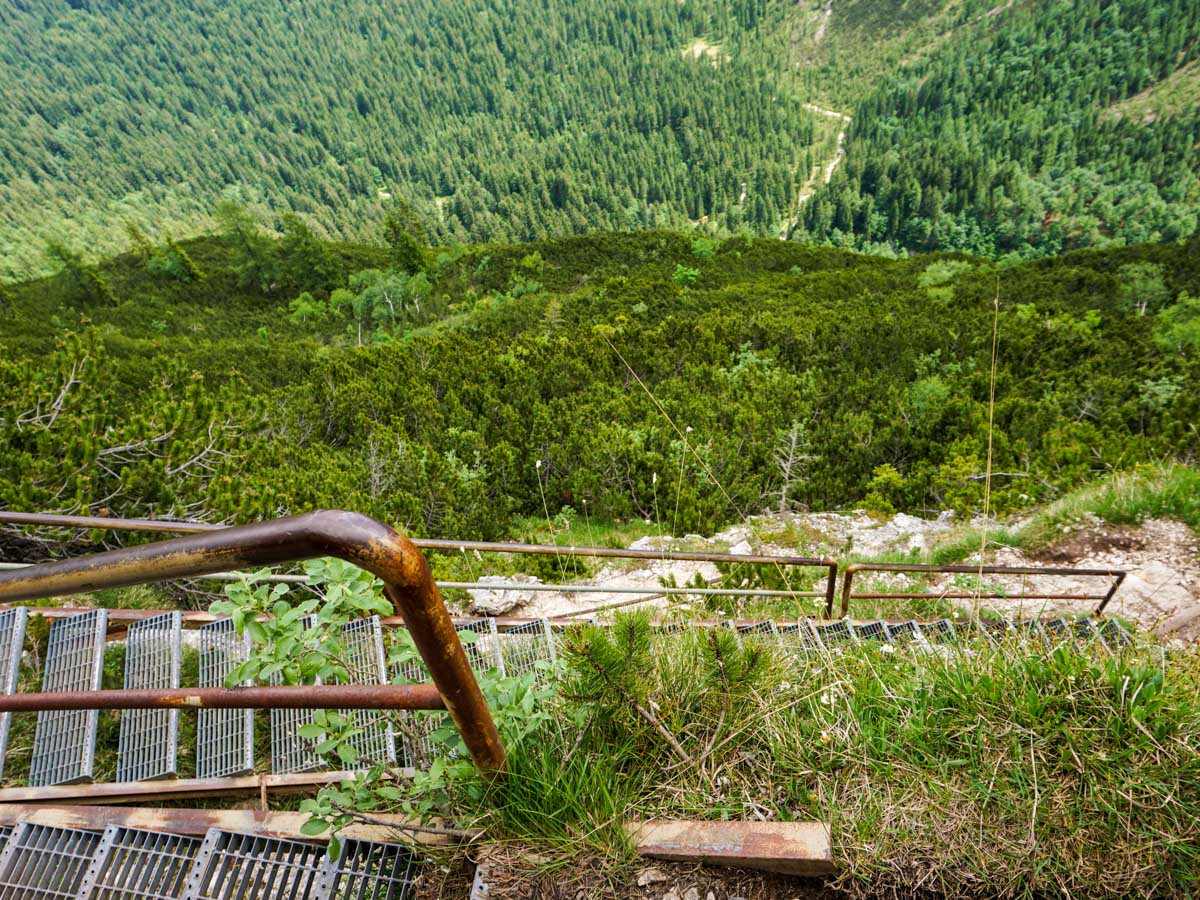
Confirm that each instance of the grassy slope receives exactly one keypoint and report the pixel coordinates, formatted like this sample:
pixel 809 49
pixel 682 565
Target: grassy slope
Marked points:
pixel 839 52
pixel 1178 93
pixel 975 770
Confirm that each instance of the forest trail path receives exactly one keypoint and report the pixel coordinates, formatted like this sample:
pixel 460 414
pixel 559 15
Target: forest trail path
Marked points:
pixel 822 170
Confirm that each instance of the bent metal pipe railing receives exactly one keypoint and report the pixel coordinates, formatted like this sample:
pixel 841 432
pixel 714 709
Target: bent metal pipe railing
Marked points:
pixel 358 539
pixel 848 594
pixel 828 591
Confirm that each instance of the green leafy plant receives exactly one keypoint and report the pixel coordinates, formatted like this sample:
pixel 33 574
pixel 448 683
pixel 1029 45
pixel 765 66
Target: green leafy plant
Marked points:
pixel 685 276
pixel 297 640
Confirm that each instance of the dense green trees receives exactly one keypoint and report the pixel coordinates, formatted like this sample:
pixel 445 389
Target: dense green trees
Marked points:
pixel 992 129
pixel 1006 143
pixel 582 369
pixel 495 121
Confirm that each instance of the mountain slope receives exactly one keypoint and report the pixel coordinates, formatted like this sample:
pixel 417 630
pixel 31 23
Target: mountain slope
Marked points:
pixel 992 128
pixel 496 119
pixel 451 402
pixel 1004 143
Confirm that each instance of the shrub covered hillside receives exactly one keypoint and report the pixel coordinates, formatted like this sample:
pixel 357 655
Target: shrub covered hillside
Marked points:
pixel 655 375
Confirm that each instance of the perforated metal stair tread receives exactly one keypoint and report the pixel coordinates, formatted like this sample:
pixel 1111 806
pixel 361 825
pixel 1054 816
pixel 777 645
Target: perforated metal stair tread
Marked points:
pixel 528 649
pixel 362 640
pixel 43 862
pixel 224 737
pixel 484 651
pixel 65 740
pixel 12 640
pixel 368 870
pixel 40 861
pixel 149 737
pixel 133 863
pixel 289 751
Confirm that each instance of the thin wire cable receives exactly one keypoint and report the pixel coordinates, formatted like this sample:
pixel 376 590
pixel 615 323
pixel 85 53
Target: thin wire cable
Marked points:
pixel 987 478
pixel 688 444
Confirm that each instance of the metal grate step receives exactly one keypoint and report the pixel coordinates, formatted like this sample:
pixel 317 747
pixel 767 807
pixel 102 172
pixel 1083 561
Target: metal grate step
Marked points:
pixel 526 646
pixel 64 743
pixel 367 870
pixel 231 866
pixel 798 636
pixel 413 727
pixel 484 652
pixel 362 641
pixel 224 737
pixel 39 861
pixel 12 641
pixel 133 864
pixel 289 751
pixel 149 738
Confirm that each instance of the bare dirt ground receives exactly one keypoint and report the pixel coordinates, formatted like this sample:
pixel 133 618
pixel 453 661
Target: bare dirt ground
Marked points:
pixel 1161 592
pixel 517 873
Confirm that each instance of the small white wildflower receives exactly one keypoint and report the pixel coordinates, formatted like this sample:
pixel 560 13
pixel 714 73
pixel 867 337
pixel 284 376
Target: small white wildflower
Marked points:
pixel 654 478
pixel 887 648
pixel 538 464
pixel 688 430
pixel 826 699
pixel 785 685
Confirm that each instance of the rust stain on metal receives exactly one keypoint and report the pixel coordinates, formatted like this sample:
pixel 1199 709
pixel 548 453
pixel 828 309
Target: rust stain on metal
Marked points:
pixel 324 696
pixel 196 822
pixel 790 848
pixel 178 789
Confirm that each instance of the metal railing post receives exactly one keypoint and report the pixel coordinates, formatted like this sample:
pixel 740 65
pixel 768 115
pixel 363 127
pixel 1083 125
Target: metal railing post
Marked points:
pixel 359 539
pixel 1118 576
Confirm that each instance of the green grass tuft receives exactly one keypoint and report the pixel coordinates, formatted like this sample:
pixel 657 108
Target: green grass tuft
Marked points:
pixel 968 770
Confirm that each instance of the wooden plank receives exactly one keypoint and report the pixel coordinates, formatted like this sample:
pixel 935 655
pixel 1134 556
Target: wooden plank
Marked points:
pixel 196 822
pixel 790 848
pixel 179 789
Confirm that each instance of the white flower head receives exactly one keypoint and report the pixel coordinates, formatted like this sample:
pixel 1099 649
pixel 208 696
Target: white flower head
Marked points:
pixel 538 464
pixel 887 648
pixel 654 478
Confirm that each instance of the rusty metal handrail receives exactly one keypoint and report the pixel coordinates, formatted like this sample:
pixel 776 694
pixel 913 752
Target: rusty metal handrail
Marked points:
pixel 358 539
pixel 106 523
pixel 308 696
pixel 848 581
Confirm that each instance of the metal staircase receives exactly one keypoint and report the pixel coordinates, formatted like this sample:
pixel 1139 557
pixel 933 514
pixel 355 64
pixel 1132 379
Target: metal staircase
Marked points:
pixel 40 861
pixel 64 746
